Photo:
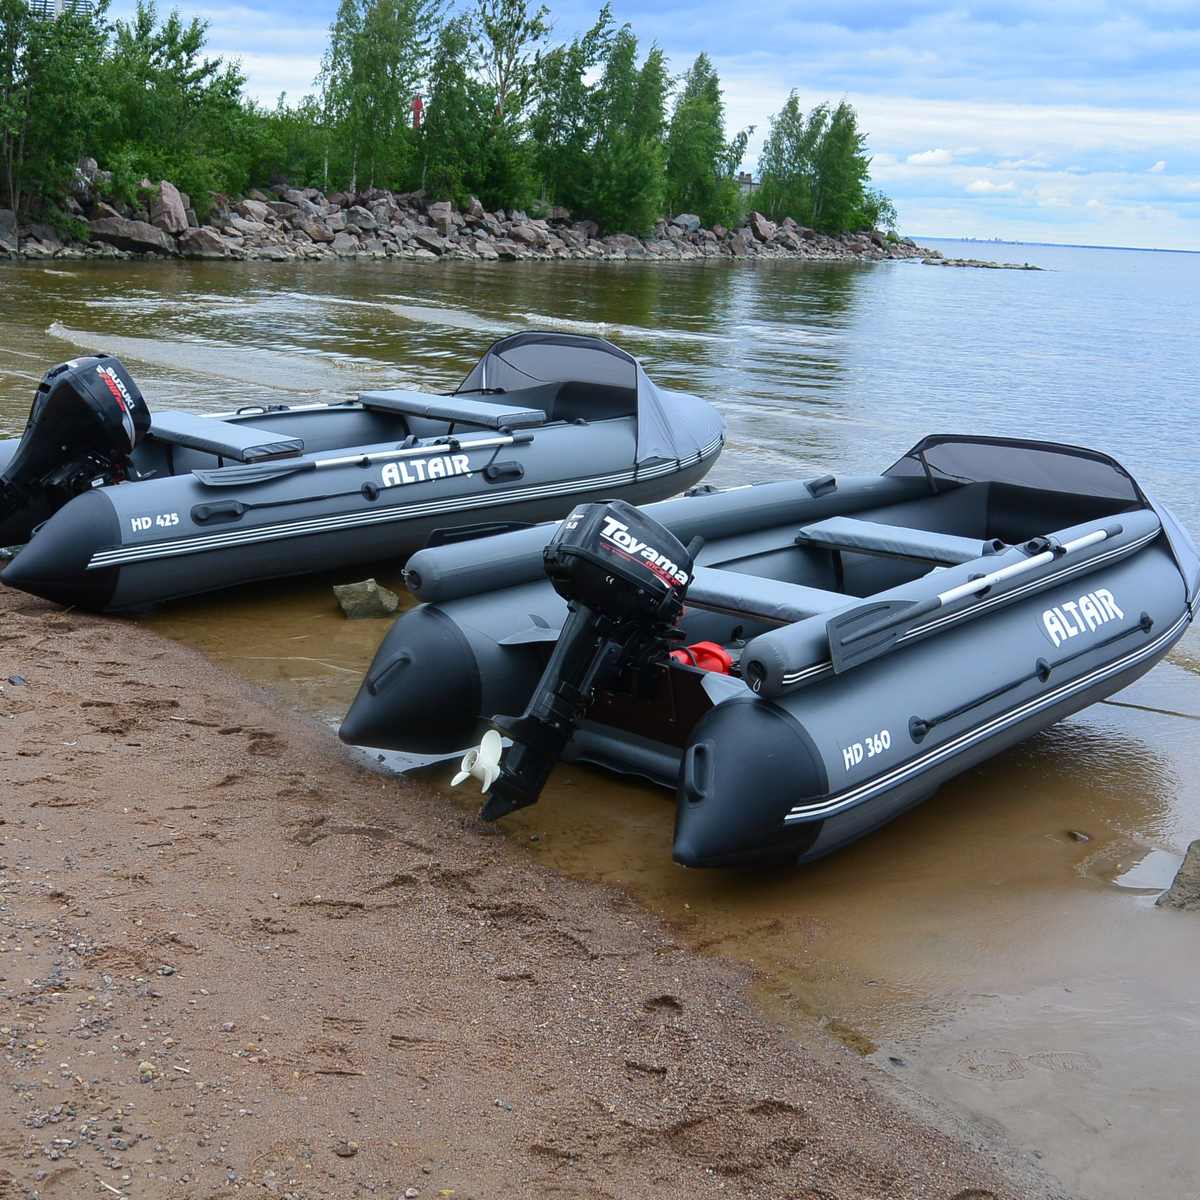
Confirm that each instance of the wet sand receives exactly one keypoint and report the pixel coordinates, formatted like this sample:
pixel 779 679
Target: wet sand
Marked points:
pixel 235 955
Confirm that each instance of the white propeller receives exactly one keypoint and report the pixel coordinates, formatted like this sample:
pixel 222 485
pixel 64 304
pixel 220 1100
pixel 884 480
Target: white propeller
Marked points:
pixel 483 763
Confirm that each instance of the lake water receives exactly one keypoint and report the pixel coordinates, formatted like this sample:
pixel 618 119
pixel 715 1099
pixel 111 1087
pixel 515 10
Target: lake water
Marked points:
pixel 972 948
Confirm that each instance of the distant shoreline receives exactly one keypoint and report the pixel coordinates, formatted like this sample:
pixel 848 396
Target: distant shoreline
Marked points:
pixel 300 225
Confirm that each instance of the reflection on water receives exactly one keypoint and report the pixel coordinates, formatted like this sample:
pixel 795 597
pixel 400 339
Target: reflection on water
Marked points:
pixel 973 947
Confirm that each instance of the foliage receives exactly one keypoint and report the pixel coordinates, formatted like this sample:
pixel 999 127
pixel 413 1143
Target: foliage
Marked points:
pixel 814 169
pixel 454 131
pixel 509 117
pixel 563 123
pixel 50 98
pixel 624 183
pixel 701 166
pixel 372 69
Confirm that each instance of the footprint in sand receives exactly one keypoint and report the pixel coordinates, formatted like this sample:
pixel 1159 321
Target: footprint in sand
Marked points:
pixel 999 1066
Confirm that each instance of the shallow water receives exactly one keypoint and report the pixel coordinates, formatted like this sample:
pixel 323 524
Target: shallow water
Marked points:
pixel 972 947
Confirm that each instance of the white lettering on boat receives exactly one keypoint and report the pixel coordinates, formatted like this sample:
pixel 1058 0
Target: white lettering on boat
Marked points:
pixel 421 470
pixel 1073 617
pixel 618 533
pixel 872 745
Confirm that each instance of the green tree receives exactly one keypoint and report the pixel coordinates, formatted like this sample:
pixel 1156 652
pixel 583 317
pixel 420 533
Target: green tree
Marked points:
pixel 455 118
pixel 700 164
pixel 171 112
pixel 292 145
pixel 509 35
pixel 814 169
pixel 625 184
pixel 377 54
pixel 50 98
pixel 564 121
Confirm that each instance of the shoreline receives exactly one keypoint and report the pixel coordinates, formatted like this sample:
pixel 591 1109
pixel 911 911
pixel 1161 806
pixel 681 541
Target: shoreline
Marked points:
pixel 300 225
pixel 242 956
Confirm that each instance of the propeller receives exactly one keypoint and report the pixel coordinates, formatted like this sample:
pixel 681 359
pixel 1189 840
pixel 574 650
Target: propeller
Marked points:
pixel 482 763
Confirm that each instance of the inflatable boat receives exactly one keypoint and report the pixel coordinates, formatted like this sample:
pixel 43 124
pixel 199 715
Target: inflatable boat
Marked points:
pixel 121 506
pixel 800 661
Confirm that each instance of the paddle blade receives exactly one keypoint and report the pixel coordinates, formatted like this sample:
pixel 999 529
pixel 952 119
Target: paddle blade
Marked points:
pixel 247 473
pixel 871 630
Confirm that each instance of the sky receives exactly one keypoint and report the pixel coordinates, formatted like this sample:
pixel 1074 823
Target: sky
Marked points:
pixel 1068 121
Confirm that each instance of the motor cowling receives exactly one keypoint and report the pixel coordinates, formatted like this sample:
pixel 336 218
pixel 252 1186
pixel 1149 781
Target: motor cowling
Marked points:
pixel 624 578
pixel 87 417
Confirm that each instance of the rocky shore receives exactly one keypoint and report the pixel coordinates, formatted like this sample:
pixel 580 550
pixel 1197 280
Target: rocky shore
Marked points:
pixel 290 225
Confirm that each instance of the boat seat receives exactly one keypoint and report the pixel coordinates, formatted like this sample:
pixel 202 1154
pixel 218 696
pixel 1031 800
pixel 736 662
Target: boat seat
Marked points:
pixel 894 541
pixel 486 413
pixel 225 439
pixel 755 597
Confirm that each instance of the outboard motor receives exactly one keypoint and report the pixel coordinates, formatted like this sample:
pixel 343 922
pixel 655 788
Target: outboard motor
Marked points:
pixel 86 419
pixel 624 578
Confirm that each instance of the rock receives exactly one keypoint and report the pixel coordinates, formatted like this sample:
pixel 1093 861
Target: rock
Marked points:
pixel 282 209
pixel 441 215
pixel 687 221
pixel 131 235
pixel 167 210
pixel 366 599
pixel 346 1149
pixel 475 210
pixel 252 210
pixel 720 232
pixel 524 235
pixel 738 245
pixel 344 246
pixel 878 238
pixel 429 240
pixel 558 213
pixel 762 229
pixel 1184 893
pixel 8 224
pixel 317 230
pixel 362 217
pixel 202 242
pixel 1077 835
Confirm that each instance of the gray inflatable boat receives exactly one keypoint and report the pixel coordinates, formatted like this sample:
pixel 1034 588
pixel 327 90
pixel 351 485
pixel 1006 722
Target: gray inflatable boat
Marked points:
pixel 121 507
pixel 799 661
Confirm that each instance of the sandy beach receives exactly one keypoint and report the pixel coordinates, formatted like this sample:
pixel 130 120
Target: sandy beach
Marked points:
pixel 235 956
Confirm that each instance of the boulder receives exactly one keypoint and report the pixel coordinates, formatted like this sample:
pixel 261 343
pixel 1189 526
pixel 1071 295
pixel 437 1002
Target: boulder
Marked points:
pixel 688 222
pixel 339 199
pixel 589 229
pixel 317 230
pixel 558 213
pixel 720 232
pixel 429 239
pixel 293 196
pixel 525 235
pixel 252 210
pixel 281 208
pixel 139 236
pixel 167 210
pixel 878 237
pixel 202 243
pixel 362 217
pixel 762 229
pixel 1184 893
pixel 344 246
pixel 441 216
pixel 475 210
pixel 738 245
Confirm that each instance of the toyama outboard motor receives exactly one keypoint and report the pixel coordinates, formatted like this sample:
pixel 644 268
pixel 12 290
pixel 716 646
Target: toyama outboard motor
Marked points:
pixel 87 417
pixel 624 578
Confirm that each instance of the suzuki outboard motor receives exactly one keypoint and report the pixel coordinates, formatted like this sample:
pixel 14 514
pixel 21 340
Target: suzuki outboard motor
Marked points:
pixel 624 578
pixel 86 419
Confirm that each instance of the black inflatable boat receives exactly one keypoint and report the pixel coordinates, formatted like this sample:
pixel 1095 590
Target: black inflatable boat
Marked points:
pixel 800 661
pixel 121 507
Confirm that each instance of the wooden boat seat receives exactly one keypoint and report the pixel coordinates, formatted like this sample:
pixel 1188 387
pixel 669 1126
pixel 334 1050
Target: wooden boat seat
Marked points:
pixel 754 596
pixel 225 439
pixel 487 413
pixel 894 541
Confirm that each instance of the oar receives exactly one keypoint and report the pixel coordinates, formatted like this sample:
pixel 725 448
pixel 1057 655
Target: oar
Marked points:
pixel 865 633
pixel 238 476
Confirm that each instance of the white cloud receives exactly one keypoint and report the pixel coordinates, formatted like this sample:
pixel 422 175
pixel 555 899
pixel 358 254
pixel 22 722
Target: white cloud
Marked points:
pixel 985 187
pixel 1161 165
pixel 932 158
pixel 1093 203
